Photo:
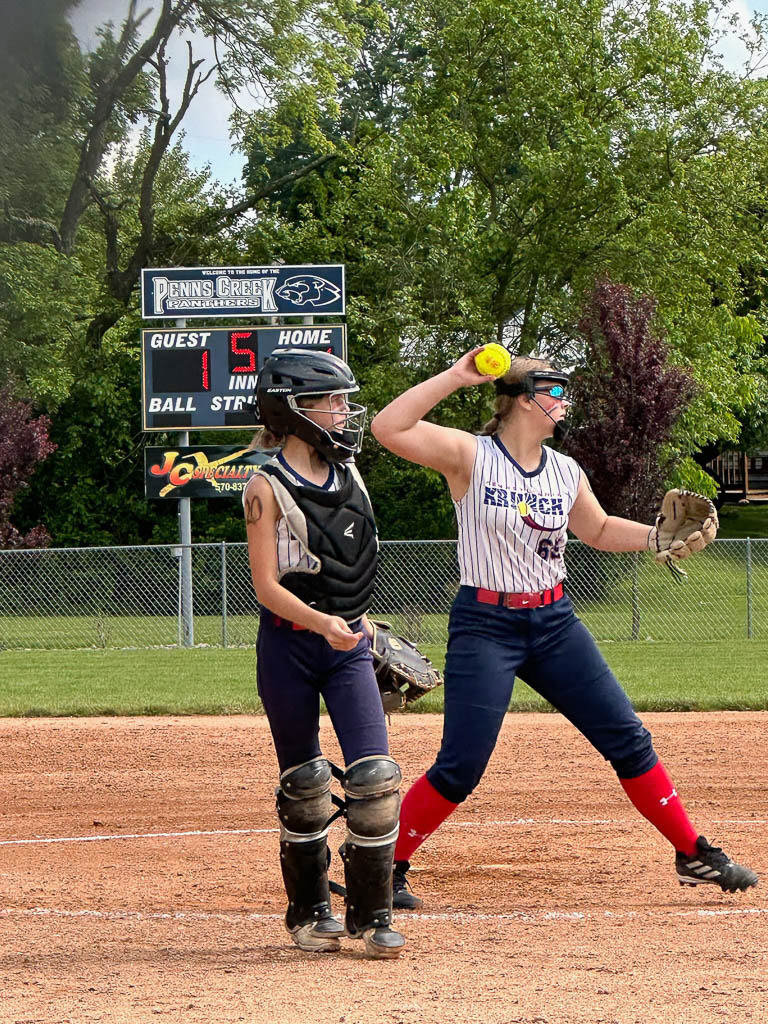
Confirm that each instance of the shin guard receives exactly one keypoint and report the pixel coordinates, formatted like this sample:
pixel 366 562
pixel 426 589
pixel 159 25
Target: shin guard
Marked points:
pixel 304 807
pixel 373 807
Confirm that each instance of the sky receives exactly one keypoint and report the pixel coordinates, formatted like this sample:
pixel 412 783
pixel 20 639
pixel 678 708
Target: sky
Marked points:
pixel 206 124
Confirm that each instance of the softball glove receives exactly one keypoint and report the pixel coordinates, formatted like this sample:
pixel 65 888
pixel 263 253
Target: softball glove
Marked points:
pixel 686 523
pixel 403 673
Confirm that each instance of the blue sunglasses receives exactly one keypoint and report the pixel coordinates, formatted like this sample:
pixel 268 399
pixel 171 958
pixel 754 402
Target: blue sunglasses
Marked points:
pixel 555 391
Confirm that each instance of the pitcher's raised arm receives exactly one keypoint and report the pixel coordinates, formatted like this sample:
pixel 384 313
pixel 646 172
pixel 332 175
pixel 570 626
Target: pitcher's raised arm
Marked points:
pixel 400 426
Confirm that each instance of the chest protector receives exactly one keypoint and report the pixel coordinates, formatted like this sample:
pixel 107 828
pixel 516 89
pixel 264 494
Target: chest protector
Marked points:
pixel 338 529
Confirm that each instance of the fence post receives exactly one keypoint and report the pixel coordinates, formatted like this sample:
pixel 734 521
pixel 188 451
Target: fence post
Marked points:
pixel 635 595
pixel 179 616
pixel 749 588
pixel 223 593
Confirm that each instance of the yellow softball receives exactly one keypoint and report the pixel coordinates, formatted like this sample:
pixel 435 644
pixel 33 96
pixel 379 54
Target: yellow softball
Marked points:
pixel 493 360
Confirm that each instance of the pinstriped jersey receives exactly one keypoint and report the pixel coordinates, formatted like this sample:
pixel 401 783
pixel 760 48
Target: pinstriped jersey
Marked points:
pixel 512 524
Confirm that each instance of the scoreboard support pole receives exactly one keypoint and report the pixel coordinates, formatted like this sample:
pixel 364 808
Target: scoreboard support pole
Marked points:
pixel 185 562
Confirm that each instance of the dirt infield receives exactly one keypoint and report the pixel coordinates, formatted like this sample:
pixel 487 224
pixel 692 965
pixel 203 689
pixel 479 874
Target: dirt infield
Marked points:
pixel 139 882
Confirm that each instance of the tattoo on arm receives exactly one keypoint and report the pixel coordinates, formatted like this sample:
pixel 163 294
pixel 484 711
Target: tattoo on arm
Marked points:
pixel 253 509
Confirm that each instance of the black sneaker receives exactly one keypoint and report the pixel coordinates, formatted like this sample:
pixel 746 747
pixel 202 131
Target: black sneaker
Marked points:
pixel 402 897
pixel 710 865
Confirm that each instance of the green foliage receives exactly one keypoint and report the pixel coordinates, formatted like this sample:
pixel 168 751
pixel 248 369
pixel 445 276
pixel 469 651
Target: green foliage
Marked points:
pixel 489 162
pixel 475 168
pixel 41 76
pixel 688 475
pixel 89 201
pixel 42 298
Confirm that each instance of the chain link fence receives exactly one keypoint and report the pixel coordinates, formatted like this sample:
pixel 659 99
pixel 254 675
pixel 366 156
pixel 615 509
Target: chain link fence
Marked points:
pixel 134 597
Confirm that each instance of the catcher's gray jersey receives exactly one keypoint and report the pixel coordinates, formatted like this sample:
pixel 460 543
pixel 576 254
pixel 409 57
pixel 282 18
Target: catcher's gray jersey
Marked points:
pixel 513 524
pixel 291 553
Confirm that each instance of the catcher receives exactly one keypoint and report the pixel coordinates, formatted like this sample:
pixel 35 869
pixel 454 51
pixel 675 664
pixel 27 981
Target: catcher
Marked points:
pixel 515 501
pixel 313 551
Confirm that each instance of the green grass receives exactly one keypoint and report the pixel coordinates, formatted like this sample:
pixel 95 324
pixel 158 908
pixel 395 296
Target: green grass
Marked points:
pixel 60 632
pixel 743 521
pixel 154 682
pixel 658 677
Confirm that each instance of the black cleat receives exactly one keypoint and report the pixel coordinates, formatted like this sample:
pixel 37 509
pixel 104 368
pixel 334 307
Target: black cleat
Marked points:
pixel 710 865
pixel 402 896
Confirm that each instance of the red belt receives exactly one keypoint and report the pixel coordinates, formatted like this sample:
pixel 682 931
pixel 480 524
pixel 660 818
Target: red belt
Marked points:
pixel 286 622
pixel 519 600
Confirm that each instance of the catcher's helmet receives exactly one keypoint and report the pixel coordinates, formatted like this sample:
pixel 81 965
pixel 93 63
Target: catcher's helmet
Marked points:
pixel 293 373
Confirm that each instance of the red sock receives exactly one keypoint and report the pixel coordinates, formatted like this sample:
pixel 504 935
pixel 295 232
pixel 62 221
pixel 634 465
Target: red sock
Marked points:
pixel 423 811
pixel 656 798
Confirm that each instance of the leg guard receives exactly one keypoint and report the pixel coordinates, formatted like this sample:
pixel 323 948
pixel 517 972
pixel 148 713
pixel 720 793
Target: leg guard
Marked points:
pixel 304 807
pixel 373 808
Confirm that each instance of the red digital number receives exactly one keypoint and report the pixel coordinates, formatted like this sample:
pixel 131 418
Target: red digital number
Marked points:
pixel 234 337
pixel 206 370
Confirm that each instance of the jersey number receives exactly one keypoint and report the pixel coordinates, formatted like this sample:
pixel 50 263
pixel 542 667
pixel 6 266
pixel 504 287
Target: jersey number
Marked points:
pixel 548 549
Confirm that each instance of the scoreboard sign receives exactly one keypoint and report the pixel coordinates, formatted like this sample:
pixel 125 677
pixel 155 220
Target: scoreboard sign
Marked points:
pixel 183 292
pixel 204 379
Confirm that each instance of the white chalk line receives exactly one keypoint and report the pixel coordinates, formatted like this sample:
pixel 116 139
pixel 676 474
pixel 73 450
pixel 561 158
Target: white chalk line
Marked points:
pixel 139 835
pixel 460 917
pixel 587 821
pixel 190 833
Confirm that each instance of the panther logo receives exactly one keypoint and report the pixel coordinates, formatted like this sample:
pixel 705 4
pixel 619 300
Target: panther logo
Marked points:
pixel 309 290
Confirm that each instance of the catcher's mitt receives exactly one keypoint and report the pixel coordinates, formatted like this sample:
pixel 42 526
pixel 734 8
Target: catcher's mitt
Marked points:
pixel 686 523
pixel 403 673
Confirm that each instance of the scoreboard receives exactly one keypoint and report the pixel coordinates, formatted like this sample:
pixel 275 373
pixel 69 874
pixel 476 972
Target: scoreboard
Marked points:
pixel 204 379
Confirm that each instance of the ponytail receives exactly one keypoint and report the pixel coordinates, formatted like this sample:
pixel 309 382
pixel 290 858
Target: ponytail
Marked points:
pixel 266 439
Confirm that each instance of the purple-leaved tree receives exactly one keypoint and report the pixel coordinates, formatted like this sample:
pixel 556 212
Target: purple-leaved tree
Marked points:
pixel 626 400
pixel 24 443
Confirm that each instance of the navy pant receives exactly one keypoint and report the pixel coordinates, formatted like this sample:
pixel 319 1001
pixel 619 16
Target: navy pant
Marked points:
pixel 294 669
pixel 554 653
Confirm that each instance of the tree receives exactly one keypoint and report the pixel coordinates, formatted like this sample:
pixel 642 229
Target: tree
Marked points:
pixel 626 399
pixel 498 157
pixel 475 168
pixel 84 207
pixel 124 84
pixel 492 161
pixel 23 444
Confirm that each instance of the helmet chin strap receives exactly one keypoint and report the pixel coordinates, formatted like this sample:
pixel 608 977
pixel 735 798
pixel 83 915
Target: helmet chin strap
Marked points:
pixel 561 429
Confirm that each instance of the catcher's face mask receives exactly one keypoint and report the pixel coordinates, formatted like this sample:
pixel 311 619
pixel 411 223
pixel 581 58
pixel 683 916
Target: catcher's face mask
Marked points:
pixel 336 430
pixel 290 376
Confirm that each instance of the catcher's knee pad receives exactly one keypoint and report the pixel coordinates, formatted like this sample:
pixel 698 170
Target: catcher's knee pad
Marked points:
pixel 373 808
pixel 304 801
pixel 304 808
